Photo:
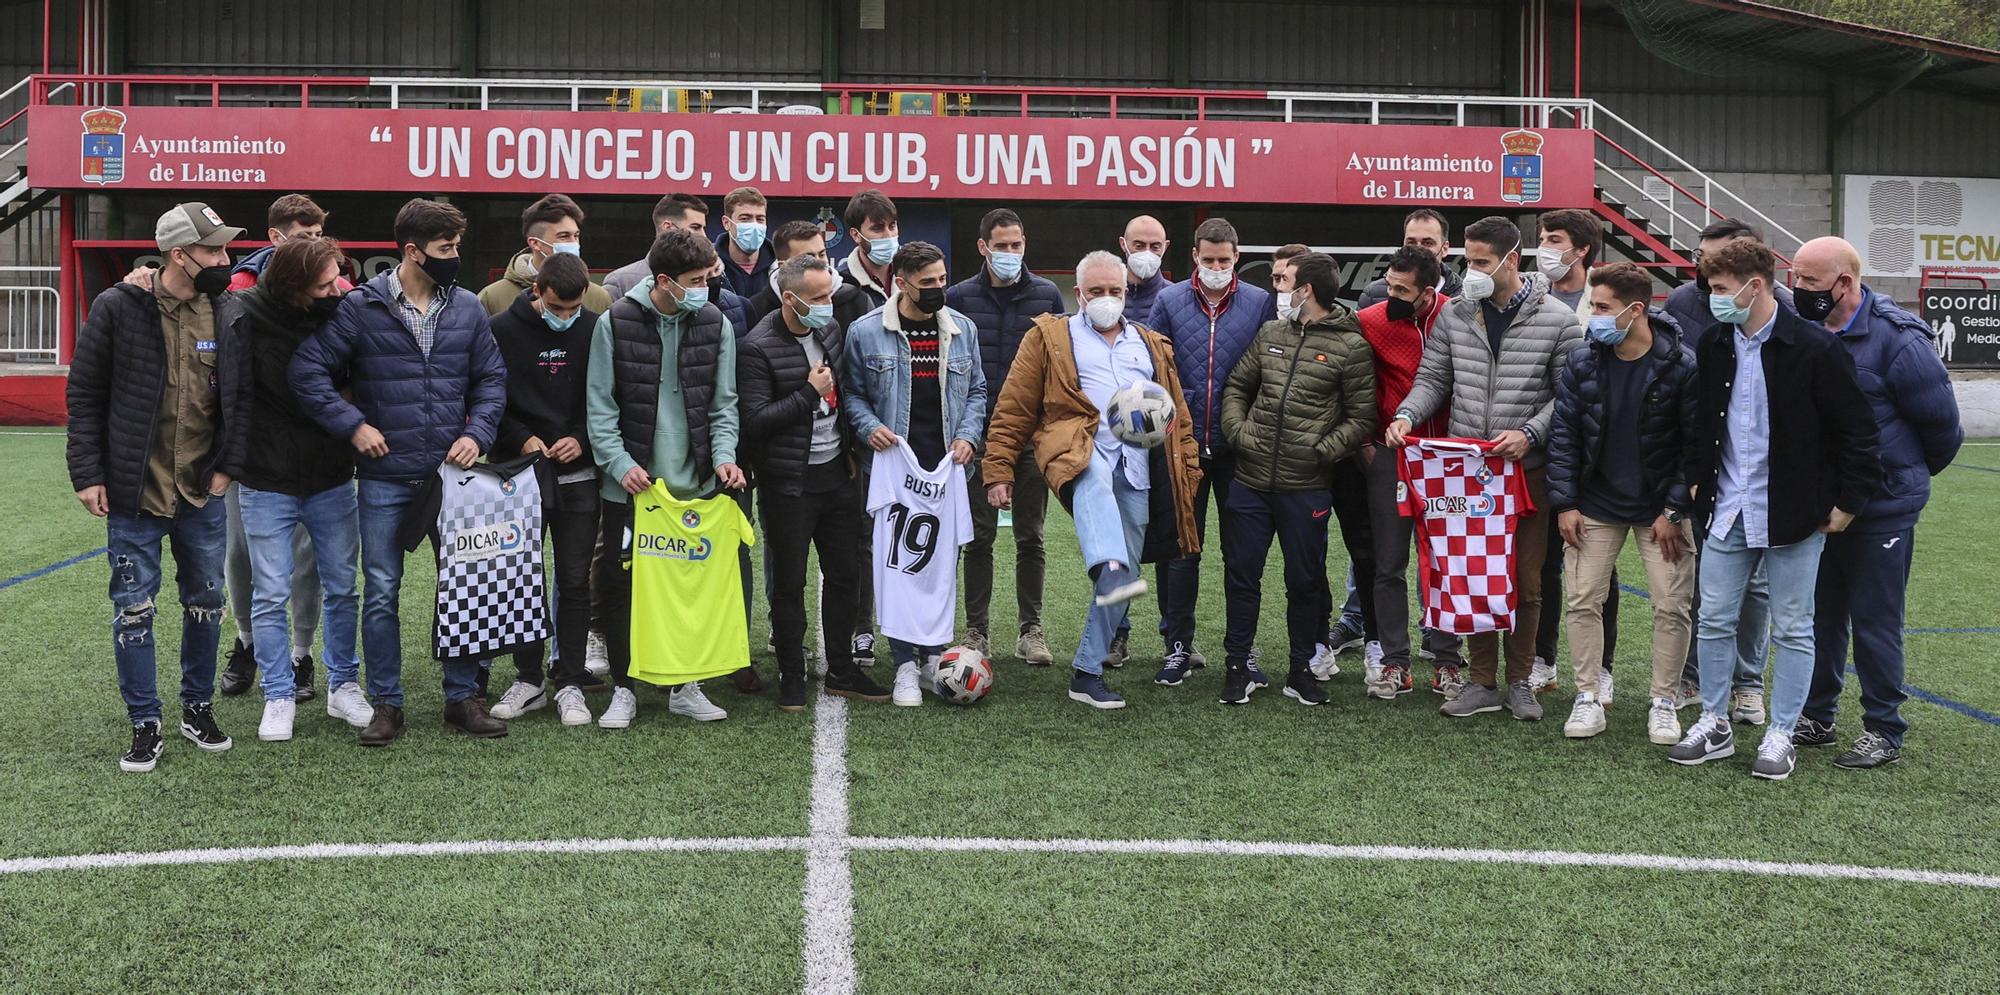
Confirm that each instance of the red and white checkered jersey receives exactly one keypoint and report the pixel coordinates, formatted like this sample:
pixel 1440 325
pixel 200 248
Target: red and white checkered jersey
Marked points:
pixel 1466 502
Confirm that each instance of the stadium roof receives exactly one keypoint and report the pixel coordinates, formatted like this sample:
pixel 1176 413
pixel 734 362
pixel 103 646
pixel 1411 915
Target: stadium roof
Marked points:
pixel 1932 44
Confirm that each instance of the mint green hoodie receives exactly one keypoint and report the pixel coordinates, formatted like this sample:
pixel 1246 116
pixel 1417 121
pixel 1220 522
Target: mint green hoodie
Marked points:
pixel 672 459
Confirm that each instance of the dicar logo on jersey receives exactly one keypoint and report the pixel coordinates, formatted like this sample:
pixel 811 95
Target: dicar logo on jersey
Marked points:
pixel 1459 506
pixel 473 545
pixel 674 547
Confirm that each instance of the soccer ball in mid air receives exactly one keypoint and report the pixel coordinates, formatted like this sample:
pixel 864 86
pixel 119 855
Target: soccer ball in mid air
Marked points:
pixel 964 675
pixel 1141 414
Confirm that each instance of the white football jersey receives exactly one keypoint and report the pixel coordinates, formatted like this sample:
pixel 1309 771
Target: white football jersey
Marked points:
pixel 921 519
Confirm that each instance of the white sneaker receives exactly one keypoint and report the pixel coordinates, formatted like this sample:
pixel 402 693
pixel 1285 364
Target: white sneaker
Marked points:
pixel 596 657
pixel 277 724
pixel 1325 663
pixel 1604 688
pixel 909 685
pixel 688 700
pixel 1663 723
pixel 570 707
pixel 1586 717
pixel 1747 706
pixel 349 705
pixel 1543 676
pixel 1372 653
pixel 624 708
pixel 520 699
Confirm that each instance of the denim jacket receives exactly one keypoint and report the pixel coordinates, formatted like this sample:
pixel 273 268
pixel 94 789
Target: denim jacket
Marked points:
pixel 877 387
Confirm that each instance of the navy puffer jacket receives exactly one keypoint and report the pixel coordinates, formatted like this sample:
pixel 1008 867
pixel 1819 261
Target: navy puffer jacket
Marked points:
pixel 1667 421
pixel 421 404
pixel 1003 317
pixel 1915 410
pixel 1206 351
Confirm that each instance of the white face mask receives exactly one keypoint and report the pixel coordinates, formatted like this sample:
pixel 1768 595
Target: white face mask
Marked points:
pixel 1478 286
pixel 1284 300
pixel 1104 312
pixel 1217 280
pixel 1550 262
pixel 1143 265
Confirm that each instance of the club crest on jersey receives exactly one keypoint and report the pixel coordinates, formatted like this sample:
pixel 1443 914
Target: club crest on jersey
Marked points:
pixel 691 519
pixel 1484 474
pixel 507 486
pixel 488 542
pixel 1458 506
pixel 668 547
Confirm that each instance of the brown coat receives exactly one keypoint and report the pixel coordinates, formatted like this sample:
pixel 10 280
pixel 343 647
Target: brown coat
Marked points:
pixel 1043 402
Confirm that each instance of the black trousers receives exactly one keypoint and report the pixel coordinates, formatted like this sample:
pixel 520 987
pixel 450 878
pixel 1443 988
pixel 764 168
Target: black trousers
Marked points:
pixel 823 518
pixel 614 590
pixel 1250 520
pixel 1551 624
pixel 571 524
pixel 1179 580
pixel 1357 534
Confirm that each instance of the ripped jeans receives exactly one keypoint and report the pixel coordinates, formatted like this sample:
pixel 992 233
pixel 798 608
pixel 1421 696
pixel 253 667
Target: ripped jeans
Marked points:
pixel 196 536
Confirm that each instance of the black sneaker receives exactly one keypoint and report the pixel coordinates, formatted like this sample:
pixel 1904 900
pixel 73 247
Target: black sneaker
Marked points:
pixel 1174 669
pixel 853 682
pixel 1811 733
pixel 241 672
pixel 1300 686
pixel 1257 678
pixel 1872 750
pixel 791 692
pixel 1236 686
pixel 1344 636
pixel 198 725
pixel 302 679
pixel 864 649
pixel 146 746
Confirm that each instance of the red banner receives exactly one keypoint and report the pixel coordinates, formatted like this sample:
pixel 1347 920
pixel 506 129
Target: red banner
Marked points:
pixel 599 152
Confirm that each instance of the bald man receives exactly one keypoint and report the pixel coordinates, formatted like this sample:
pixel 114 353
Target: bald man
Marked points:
pixel 1864 571
pixel 1144 245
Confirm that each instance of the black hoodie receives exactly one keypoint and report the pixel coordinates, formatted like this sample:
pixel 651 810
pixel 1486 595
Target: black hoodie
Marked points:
pixel 285 450
pixel 546 373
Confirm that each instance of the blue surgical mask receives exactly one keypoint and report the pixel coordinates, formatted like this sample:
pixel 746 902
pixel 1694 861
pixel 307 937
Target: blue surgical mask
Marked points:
pixel 1726 310
pixel 815 316
pixel 1604 329
pixel 1006 265
pixel 749 236
pixel 693 299
pixel 881 250
pixel 560 324
pixel 567 248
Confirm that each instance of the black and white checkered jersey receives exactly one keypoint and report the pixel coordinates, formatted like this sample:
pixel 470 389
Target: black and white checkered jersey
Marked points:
pixel 485 523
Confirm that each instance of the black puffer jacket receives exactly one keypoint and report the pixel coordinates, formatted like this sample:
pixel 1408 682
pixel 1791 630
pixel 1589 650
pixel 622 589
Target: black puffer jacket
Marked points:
pixel 777 404
pixel 1003 316
pixel 286 452
pixel 1666 423
pixel 115 380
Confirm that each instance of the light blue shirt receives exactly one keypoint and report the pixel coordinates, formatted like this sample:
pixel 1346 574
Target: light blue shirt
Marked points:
pixel 1743 488
pixel 1103 369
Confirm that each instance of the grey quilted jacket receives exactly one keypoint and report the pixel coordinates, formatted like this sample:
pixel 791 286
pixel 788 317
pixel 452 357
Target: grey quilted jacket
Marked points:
pixel 1489 394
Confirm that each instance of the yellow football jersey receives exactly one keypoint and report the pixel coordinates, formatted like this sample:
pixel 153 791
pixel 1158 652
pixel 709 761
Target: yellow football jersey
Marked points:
pixel 687 597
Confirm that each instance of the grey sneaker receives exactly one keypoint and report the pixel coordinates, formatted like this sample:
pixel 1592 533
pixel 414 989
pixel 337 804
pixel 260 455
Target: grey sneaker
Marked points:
pixel 1522 702
pixel 1474 699
pixel 1872 750
pixel 1033 647
pixel 1708 739
pixel 976 639
pixel 1776 757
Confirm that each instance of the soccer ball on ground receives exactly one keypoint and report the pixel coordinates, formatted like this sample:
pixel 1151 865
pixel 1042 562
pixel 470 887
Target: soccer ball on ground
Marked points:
pixel 1141 414
pixel 964 675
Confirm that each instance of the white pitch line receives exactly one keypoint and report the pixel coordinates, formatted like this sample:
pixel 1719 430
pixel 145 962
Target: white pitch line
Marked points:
pixel 829 890
pixel 1326 851
pixel 362 851
pixel 946 844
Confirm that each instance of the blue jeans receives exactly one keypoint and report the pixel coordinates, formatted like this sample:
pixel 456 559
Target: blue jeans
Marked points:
pixel 271 521
pixel 382 505
pixel 196 536
pixel 1753 635
pixel 1110 516
pixel 1726 567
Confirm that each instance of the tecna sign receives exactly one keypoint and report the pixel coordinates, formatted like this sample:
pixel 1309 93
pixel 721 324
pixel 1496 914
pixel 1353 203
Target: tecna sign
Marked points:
pixel 601 152
pixel 1903 224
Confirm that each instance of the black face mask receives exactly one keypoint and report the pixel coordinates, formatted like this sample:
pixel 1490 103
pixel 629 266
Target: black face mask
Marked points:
pixel 210 280
pixel 1814 305
pixel 322 308
pixel 1402 310
pixel 929 300
pixel 442 271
